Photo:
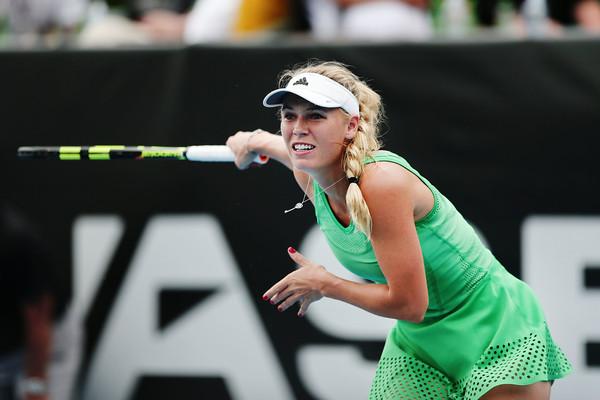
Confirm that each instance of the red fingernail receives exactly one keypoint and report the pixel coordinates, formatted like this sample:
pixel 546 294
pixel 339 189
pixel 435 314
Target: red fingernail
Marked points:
pixel 265 297
pixel 292 250
pixel 272 302
pixel 299 315
pixel 279 309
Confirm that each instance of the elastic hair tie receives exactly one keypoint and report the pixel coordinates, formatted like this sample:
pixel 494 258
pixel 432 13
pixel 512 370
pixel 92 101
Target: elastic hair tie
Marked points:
pixel 352 180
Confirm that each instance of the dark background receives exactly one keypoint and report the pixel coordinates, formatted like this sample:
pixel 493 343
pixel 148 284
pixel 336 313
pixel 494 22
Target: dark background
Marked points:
pixel 504 129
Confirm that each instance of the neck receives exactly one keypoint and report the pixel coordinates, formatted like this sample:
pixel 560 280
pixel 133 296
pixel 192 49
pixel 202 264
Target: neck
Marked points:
pixel 335 187
pixel 335 190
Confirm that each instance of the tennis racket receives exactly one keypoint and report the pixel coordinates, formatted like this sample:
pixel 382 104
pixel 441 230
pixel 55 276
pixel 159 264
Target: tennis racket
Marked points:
pixel 102 152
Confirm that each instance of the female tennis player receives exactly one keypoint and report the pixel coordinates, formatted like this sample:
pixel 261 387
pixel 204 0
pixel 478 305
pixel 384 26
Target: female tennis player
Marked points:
pixel 466 328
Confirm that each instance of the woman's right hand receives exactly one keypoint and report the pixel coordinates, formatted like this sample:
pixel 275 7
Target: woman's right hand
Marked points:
pixel 241 145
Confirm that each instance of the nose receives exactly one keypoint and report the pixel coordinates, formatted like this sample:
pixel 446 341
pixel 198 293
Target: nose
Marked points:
pixel 300 127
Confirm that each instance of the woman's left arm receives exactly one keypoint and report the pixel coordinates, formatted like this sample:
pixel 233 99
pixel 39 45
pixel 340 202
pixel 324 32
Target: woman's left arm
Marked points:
pixel 390 192
pixel 391 200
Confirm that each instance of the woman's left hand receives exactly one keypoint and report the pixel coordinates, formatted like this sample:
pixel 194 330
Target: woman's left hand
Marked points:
pixel 304 285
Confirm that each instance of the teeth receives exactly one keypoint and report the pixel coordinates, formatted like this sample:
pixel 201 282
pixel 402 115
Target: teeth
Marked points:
pixel 301 147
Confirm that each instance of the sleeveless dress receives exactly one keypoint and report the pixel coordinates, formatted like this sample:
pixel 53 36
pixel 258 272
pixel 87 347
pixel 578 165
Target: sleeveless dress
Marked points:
pixel 483 327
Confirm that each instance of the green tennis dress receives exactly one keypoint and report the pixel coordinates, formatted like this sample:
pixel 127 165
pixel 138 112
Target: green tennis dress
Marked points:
pixel 483 327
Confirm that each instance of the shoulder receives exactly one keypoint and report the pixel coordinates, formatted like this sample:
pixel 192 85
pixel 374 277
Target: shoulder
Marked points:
pixel 383 176
pixel 388 188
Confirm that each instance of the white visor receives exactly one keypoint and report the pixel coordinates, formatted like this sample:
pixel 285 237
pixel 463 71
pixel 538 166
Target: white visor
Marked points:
pixel 317 89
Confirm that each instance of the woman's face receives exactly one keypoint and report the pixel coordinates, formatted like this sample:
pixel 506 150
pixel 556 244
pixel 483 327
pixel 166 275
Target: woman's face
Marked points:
pixel 315 137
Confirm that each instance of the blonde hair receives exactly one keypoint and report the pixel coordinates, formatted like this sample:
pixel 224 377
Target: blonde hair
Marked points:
pixel 367 138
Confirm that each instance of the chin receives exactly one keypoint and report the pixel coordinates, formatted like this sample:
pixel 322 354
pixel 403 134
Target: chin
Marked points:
pixel 303 164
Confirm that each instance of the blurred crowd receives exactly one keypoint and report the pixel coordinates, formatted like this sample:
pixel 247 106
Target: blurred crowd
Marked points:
pixel 106 23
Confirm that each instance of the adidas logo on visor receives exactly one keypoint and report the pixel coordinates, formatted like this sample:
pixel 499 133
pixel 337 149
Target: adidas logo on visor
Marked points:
pixel 301 81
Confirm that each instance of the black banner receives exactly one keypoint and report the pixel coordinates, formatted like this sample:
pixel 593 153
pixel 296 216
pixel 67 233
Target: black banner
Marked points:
pixel 504 129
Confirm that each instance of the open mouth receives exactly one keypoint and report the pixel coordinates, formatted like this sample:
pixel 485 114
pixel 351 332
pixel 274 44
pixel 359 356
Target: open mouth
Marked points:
pixel 302 147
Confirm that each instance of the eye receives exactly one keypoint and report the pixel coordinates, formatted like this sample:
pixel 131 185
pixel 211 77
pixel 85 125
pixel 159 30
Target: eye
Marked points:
pixel 288 116
pixel 316 116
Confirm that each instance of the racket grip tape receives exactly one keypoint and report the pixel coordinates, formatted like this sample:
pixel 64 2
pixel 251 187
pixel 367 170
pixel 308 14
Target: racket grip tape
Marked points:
pixel 216 154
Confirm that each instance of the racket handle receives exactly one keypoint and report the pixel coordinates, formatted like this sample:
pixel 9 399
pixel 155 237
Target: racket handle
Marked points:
pixel 216 154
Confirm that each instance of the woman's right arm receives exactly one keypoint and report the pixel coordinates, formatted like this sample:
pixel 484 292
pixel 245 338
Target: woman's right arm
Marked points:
pixel 246 145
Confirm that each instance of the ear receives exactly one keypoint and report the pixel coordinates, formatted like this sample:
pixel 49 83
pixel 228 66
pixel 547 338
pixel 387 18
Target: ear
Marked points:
pixel 352 128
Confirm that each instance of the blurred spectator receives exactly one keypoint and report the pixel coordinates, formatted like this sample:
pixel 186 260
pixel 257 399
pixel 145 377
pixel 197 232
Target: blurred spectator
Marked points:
pixel 30 22
pixel 164 19
pixel 137 8
pixel 198 22
pixel 581 14
pixel 372 20
pixel 236 19
pixel 488 12
pixel 515 18
pixel 27 303
pixel 541 17
pixel 35 362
